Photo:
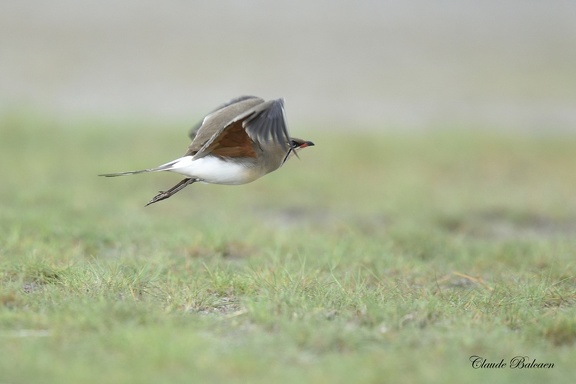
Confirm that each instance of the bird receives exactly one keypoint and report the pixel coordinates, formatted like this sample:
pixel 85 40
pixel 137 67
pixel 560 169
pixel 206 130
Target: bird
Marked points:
pixel 236 143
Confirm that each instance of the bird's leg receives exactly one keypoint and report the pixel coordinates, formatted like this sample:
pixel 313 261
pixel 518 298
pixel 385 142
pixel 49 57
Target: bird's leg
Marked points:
pixel 166 194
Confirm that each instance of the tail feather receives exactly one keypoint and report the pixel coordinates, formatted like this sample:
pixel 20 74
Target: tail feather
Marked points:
pixel 127 173
pixel 163 167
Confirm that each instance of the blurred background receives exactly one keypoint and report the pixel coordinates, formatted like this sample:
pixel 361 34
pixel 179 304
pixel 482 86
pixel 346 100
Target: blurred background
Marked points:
pixel 358 64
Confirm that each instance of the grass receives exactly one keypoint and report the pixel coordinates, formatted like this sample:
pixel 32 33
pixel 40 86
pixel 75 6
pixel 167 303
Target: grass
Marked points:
pixel 384 257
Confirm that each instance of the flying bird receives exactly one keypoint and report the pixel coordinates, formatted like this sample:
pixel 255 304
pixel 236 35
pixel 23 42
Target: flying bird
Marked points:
pixel 237 143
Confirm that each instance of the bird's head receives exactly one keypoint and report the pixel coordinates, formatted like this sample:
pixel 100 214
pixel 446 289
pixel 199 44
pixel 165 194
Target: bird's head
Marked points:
pixel 296 145
pixel 299 143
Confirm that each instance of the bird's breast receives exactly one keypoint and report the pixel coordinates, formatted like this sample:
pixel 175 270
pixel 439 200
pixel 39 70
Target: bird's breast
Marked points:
pixel 216 170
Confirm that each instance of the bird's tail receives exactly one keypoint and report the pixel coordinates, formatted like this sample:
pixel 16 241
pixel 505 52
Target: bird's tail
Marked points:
pixel 163 167
pixel 126 173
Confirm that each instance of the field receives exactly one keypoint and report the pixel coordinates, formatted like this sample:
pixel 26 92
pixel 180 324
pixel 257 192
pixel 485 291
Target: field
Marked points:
pixel 383 257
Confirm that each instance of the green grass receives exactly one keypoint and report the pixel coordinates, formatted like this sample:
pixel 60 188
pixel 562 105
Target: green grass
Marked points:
pixel 384 257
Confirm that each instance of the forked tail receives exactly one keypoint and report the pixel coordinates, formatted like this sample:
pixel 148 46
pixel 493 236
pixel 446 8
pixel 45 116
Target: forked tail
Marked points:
pixel 127 173
pixel 163 167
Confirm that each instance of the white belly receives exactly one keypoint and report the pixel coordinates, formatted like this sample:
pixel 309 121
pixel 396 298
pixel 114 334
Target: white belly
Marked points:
pixel 213 170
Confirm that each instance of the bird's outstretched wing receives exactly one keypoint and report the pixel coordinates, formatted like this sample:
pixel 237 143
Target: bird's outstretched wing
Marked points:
pixel 266 122
pixel 195 128
pixel 215 122
pixel 255 126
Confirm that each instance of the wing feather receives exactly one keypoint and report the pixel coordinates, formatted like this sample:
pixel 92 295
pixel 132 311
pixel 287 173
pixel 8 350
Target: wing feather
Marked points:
pixel 266 123
pixel 195 128
pixel 248 122
pixel 216 122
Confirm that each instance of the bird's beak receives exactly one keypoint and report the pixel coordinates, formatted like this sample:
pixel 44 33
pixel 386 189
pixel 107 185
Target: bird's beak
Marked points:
pixel 306 144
